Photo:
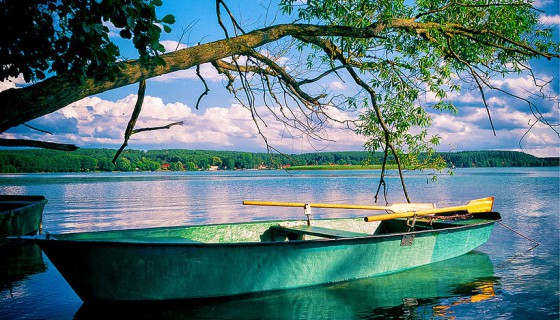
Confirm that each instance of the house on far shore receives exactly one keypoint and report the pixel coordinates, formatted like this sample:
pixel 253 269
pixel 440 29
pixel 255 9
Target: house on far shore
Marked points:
pixel 213 168
pixel 165 166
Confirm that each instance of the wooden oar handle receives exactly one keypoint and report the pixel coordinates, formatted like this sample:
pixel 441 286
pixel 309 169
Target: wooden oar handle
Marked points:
pixel 274 204
pixel 316 205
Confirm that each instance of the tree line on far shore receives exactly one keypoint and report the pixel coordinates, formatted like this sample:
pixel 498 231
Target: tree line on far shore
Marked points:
pixel 87 160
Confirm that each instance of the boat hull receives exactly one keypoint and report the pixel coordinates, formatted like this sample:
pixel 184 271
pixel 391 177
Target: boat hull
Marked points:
pixel 20 215
pixel 140 271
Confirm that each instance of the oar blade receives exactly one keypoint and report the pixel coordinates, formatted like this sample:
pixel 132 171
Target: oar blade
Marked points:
pixel 477 205
pixel 481 205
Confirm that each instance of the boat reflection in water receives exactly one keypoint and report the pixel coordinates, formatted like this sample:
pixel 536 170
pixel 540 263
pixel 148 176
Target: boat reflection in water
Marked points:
pixel 432 290
pixel 18 262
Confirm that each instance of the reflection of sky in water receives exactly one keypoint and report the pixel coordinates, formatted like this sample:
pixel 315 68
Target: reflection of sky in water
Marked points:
pixel 525 282
pixel 97 201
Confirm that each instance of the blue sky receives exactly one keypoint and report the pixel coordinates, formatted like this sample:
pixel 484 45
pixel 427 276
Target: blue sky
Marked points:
pixel 222 123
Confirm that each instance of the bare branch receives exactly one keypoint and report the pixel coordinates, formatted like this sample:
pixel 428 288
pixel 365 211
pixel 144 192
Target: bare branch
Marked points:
pixel 206 90
pixel 133 118
pixel 22 105
pixel 37 144
pixel 236 26
pixel 335 53
pixel 319 77
pixel 37 129
pixel 476 78
pixel 178 123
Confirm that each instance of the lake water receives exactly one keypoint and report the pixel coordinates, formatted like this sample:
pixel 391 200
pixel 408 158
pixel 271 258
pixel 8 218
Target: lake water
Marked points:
pixel 507 278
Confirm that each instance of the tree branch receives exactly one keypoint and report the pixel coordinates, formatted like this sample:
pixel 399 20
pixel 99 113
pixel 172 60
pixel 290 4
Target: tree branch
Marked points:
pixel 37 144
pixel 206 90
pixel 178 123
pixel 333 51
pixel 135 113
pixel 21 105
pixel 37 129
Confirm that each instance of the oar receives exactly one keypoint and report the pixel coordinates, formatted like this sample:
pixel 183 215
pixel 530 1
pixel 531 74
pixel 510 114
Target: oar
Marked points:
pixel 477 205
pixel 396 207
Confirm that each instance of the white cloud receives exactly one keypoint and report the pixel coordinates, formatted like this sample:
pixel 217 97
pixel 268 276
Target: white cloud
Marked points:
pixel 208 72
pixel 5 85
pixel 94 122
pixel 522 86
pixel 171 46
pixel 445 124
pixel 473 132
pixel 549 20
pixel 11 83
pixel 542 3
pixel 337 85
pixel 461 97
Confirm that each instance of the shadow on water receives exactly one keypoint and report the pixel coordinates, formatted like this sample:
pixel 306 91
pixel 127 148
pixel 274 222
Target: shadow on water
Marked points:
pixel 427 291
pixel 18 262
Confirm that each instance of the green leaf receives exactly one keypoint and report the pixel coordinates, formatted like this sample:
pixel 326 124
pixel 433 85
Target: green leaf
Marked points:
pixel 159 61
pixel 130 22
pixel 125 34
pixel 40 75
pixel 169 19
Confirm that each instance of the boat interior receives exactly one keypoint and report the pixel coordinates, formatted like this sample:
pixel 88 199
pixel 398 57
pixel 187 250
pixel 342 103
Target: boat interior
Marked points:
pixel 274 231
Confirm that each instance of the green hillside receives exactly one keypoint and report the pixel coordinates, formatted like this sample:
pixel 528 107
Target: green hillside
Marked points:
pixel 84 160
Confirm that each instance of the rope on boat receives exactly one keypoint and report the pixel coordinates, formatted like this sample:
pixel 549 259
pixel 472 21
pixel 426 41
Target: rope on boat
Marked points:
pixel 452 217
pixel 521 235
pixel 457 216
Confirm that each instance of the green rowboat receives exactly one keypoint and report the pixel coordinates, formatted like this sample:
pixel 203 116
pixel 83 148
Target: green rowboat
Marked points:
pixel 206 261
pixel 20 215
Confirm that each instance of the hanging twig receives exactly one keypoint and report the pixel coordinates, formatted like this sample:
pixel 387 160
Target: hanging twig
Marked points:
pixel 206 90
pixel 335 53
pixel 40 130
pixel 130 127
pixel 476 78
pixel 236 26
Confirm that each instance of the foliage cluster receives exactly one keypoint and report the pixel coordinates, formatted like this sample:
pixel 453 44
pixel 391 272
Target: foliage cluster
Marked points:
pixel 72 36
pixel 469 159
pixel 86 160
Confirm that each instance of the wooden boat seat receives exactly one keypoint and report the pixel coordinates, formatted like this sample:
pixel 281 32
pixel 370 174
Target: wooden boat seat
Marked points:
pixel 318 232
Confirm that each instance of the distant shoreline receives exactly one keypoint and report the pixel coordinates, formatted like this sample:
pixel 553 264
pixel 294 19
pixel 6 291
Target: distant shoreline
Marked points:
pixel 93 160
pixel 339 167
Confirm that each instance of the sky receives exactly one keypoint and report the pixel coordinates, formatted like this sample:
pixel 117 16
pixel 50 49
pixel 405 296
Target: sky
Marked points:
pixel 221 123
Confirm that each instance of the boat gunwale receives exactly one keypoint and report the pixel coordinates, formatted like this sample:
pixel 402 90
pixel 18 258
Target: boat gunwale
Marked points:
pixel 323 241
pixel 27 203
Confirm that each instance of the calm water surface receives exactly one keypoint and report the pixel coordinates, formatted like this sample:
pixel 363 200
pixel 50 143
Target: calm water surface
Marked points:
pixel 505 279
